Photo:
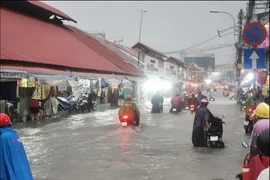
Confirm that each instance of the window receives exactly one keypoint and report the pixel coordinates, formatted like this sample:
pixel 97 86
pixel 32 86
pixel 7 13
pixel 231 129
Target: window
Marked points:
pixel 152 61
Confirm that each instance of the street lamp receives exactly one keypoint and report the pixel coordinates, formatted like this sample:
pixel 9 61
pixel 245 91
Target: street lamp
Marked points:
pixel 217 11
pixel 142 11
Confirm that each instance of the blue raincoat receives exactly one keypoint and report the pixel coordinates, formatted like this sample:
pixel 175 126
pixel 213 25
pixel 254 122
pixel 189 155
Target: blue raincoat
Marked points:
pixel 13 160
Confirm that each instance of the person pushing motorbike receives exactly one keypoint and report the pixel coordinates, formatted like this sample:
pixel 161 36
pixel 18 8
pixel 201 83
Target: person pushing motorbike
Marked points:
pixel 14 164
pixel 201 124
pixel 131 109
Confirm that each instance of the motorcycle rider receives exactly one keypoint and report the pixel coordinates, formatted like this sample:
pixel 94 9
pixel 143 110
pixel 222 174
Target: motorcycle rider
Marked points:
pixel 176 101
pixel 130 108
pixel 13 160
pixel 157 103
pixel 201 124
pixel 261 117
pixel 193 101
pixel 254 98
pixel 200 96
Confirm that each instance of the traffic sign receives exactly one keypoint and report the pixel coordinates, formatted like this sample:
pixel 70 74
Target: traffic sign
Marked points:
pixel 254 34
pixel 254 58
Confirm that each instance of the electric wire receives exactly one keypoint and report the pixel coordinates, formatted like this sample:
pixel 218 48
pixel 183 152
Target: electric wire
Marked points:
pixel 221 32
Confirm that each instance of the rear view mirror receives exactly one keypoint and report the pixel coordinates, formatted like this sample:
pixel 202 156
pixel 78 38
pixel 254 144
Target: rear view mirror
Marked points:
pixel 245 144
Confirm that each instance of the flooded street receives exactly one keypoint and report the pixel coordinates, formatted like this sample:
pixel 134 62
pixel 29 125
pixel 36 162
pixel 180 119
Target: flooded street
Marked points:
pixel 92 146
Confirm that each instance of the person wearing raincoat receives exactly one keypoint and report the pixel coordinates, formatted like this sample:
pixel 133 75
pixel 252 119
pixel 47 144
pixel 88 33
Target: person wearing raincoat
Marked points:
pixel 201 123
pixel 14 164
pixel 157 103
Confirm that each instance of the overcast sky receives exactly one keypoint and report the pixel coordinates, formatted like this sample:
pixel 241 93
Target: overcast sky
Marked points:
pixel 167 26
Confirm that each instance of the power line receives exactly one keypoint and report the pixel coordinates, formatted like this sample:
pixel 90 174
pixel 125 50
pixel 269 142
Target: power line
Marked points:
pixel 179 51
pixel 221 32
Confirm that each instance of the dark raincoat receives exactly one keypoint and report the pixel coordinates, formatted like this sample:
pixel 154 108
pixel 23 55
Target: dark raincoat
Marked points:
pixel 202 116
pixel 13 160
pixel 157 103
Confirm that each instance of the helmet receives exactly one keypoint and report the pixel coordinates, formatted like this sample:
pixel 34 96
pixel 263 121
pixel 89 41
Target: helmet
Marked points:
pixel 4 120
pixel 262 110
pixel 129 97
pixel 262 142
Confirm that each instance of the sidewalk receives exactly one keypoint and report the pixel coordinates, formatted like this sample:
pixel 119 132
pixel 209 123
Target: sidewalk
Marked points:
pixel 56 117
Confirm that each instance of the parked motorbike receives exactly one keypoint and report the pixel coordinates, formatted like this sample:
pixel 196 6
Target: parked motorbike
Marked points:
pixel 82 106
pixel 94 105
pixel 214 134
pixel 242 105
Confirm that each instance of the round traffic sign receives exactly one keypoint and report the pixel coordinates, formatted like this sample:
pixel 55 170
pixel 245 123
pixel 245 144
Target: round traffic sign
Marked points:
pixel 254 34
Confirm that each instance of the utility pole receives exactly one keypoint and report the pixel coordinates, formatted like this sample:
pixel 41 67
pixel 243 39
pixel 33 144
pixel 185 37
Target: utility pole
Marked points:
pixel 142 11
pixel 139 53
pixel 239 45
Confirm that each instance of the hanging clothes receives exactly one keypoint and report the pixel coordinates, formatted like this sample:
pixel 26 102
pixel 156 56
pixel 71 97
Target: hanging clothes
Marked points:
pixel 55 103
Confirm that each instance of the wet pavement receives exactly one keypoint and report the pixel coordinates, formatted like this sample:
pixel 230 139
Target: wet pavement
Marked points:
pixel 92 147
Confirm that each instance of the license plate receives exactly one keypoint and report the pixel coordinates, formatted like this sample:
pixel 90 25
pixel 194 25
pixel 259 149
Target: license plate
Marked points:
pixel 124 123
pixel 192 109
pixel 174 110
pixel 246 123
pixel 213 138
pixel 186 108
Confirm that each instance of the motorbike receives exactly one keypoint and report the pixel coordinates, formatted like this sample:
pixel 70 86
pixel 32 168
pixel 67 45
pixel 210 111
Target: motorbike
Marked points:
pixel 82 106
pixel 126 120
pixel 241 176
pixel 215 132
pixel 242 105
pixel 192 108
pixel 248 123
pixel 94 105
pixel 174 109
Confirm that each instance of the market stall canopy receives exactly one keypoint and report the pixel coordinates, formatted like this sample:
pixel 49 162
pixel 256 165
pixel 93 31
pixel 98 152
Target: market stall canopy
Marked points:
pixel 27 39
pixel 40 73
pixel 10 74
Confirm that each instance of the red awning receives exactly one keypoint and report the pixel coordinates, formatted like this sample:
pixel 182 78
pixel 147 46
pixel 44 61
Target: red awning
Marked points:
pixel 51 9
pixel 27 39
pixel 104 51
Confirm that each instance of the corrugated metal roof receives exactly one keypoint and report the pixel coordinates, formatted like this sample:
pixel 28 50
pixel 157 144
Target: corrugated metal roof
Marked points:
pixel 51 9
pixel 104 51
pixel 149 48
pixel 28 39
pixel 178 61
pixel 129 55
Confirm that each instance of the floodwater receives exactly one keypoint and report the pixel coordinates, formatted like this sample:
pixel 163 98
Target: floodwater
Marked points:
pixel 93 147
